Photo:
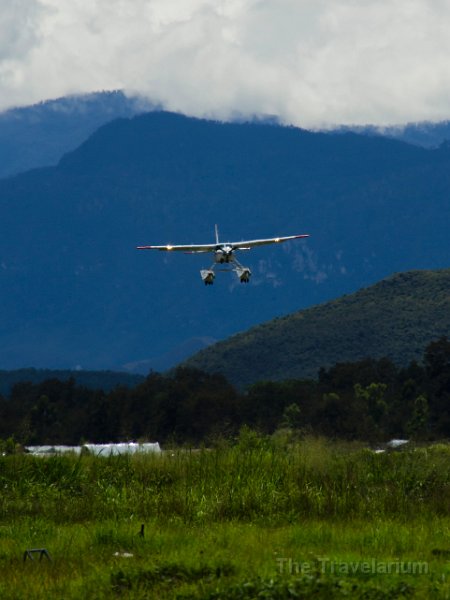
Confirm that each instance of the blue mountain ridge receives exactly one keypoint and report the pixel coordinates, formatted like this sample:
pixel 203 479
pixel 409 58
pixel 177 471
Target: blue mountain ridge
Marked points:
pixel 38 135
pixel 76 293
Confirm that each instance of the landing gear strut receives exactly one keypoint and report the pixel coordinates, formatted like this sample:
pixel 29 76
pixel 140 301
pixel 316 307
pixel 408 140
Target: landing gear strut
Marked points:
pixel 243 273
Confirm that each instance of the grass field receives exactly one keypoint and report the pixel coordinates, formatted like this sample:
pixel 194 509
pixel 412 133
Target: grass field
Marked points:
pixel 262 518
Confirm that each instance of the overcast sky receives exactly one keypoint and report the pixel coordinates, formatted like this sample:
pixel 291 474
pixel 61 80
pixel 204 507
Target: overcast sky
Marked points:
pixel 312 63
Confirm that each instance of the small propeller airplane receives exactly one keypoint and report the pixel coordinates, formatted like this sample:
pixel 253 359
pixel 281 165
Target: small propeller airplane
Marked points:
pixel 224 254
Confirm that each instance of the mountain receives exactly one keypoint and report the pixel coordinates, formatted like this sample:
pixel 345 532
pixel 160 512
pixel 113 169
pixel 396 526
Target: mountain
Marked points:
pixel 75 292
pixel 423 133
pixel 39 135
pixel 395 318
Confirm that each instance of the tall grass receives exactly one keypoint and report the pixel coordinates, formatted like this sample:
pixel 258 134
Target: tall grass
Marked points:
pixel 256 480
pixel 216 521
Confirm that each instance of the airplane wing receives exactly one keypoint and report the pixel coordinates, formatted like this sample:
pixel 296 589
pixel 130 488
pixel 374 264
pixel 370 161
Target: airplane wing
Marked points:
pixel 245 245
pixel 252 243
pixel 189 248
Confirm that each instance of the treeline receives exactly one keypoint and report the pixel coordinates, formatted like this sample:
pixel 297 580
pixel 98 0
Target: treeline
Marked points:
pixel 371 400
pixel 106 380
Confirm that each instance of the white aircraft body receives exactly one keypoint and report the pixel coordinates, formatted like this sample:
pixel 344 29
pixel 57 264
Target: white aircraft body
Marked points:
pixel 224 253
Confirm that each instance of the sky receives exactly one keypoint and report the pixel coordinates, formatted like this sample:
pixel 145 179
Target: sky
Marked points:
pixel 310 63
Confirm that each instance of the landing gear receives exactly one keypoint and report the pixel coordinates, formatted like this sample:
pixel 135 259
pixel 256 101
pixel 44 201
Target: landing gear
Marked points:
pixel 207 276
pixel 243 273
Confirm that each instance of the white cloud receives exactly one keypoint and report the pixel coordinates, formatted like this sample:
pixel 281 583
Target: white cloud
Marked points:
pixel 311 62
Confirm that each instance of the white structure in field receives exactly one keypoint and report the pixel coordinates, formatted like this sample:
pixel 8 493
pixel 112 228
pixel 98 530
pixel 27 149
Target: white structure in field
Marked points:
pixel 97 449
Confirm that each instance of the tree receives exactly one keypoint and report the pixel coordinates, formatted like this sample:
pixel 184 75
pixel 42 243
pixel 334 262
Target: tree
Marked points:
pixel 437 358
pixel 437 365
pixel 418 425
pixel 292 416
pixel 371 400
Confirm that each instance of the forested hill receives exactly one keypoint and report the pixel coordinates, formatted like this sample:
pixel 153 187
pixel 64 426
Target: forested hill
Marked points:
pixel 395 318
pixel 75 292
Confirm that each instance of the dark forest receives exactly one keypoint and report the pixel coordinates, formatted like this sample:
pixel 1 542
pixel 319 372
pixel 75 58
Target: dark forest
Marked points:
pixel 371 400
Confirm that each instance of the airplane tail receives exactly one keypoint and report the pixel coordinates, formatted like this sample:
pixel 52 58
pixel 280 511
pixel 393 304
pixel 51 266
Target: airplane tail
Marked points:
pixel 217 234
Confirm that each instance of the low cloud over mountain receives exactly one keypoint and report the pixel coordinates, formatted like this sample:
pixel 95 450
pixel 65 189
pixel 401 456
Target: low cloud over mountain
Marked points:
pixel 311 64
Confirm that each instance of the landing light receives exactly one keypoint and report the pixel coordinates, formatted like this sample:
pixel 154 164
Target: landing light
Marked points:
pixel 169 247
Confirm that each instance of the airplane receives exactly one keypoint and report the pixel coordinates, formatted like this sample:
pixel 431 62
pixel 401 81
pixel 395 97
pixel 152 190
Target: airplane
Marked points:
pixel 224 254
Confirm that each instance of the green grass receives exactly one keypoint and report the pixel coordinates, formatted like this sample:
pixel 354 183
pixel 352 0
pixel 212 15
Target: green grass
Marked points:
pixel 259 519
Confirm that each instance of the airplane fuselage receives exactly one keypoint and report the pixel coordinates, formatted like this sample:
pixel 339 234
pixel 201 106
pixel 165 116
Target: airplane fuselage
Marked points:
pixel 223 254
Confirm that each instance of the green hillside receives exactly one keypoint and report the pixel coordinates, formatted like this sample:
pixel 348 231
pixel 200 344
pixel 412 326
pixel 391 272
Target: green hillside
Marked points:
pixel 396 317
